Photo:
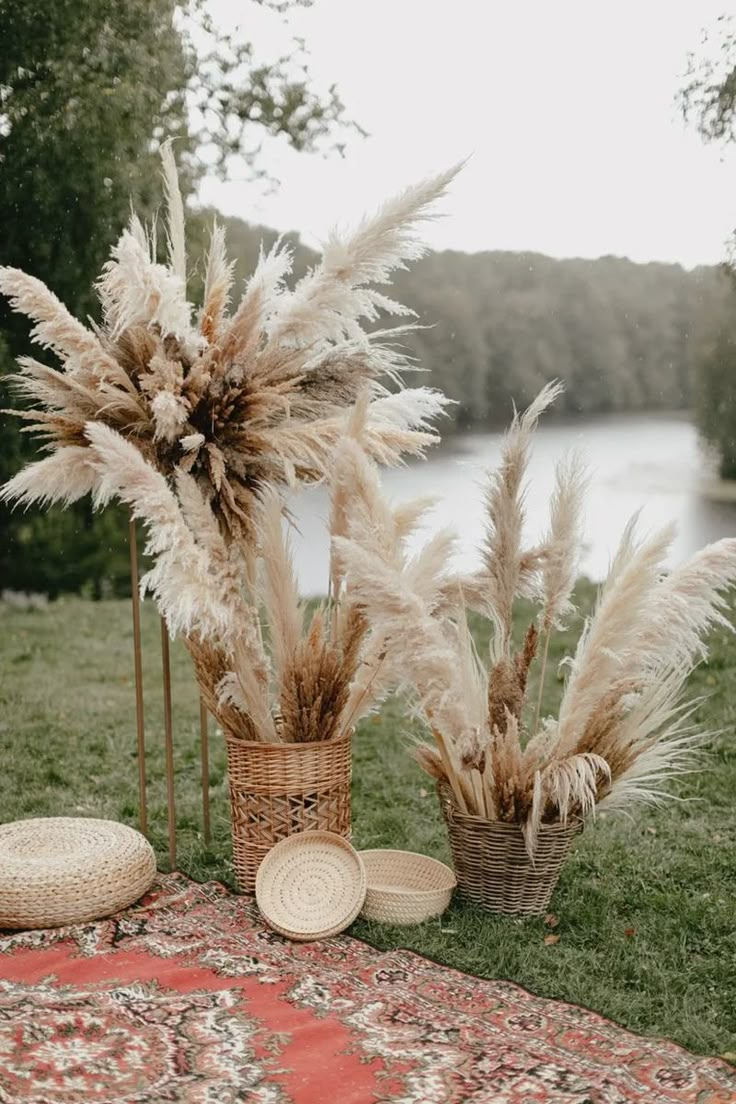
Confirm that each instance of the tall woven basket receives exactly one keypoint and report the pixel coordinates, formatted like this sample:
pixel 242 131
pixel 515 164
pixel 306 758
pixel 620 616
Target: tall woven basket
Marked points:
pixel 279 789
pixel 492 865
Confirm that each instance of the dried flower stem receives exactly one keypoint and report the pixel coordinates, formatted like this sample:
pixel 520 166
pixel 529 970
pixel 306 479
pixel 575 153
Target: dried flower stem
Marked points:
pixel 542 672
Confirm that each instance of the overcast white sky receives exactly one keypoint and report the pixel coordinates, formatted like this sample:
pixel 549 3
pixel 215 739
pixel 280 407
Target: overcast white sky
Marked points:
pixel 566 108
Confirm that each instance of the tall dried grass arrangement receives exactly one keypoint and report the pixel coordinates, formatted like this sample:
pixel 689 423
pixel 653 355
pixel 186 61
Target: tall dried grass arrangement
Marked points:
pixel 269 669
pixel 623 726
pixel 242 400
pixel 198 421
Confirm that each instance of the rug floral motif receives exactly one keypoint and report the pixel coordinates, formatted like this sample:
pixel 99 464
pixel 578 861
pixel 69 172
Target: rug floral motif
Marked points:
pixel 188 997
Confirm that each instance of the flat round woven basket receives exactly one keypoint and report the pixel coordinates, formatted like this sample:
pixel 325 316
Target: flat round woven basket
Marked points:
pixel 311 886
pixel 404 887
pixel 68 870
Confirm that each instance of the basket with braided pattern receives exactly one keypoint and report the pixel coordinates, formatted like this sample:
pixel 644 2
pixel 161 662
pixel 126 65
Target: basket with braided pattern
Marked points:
pixel 279 789
pixel 492 865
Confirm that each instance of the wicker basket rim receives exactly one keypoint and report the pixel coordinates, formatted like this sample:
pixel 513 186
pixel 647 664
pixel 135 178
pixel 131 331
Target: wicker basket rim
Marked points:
pixel 402 891
pixel 282 746
pixel 513 826
pixel 574 823
pixel 555 827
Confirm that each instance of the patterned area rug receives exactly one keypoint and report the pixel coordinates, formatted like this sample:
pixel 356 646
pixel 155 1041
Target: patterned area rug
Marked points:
pixel 187 997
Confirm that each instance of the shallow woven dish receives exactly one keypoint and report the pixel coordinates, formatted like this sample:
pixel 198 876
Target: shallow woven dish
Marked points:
pixel 311 886
pixel 404 887
pixel 68 870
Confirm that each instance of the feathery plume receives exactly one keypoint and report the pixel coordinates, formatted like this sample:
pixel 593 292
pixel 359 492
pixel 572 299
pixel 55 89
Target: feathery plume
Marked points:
pixel 181 577
pixel 330 300
pixel 559 567
pixel 64 477
pixel 278 585
pixel 217 284
pixel 55 328
pixel 175 213
pixel 687 603
pixel 604 652
pixel 504 501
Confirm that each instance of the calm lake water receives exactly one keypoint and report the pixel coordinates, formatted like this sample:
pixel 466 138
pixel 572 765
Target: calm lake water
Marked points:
pixel 652 463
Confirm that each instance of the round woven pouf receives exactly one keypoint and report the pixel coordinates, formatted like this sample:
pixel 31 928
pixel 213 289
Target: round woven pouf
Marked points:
pixel 311 886
pixel 68 870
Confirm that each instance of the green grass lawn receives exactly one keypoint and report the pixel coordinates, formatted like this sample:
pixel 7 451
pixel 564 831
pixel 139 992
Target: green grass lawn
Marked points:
pixel 646 906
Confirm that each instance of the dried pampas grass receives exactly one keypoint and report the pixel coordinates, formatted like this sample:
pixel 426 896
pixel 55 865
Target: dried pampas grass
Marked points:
pixel 198 420
pixel 623 727
pixel 264 673
pixel 242 401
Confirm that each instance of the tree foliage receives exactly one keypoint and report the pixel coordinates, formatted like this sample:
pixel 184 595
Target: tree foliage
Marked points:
pixel 622 336
pixel 708 101
pixel 708 98
pixel 88 90
pixel 715 376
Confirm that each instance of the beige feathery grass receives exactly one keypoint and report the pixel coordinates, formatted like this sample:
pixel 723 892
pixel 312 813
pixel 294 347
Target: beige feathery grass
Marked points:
pixel 279 592
pixel 243 401
pixel 218 284
pixel 197 423
pixel 623 727
pixel 503 576
pixel 291 683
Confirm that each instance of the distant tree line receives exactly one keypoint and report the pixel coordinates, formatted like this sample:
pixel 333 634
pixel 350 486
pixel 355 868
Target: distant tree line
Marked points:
pixel 622 336
pixel 496 326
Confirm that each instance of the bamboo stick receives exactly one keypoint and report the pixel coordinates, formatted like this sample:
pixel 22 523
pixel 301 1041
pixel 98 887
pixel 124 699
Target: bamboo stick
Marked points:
pixel 168 744
pixel 477 784
pixel 204 747
pixel 138 668
pixel 486 780
pixel 450 770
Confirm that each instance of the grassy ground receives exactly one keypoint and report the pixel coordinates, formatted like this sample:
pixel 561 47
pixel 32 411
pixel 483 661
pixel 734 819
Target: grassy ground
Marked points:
pixel 645 907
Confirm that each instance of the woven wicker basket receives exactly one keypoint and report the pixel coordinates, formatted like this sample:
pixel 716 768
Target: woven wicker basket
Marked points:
pixel 404 887
pixel 279 789
pixel 493 867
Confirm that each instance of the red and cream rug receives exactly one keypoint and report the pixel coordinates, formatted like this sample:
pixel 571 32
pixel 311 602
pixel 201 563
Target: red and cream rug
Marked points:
pixel 187 997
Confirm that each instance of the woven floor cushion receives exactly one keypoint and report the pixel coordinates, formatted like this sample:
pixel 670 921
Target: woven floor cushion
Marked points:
pixel 68 870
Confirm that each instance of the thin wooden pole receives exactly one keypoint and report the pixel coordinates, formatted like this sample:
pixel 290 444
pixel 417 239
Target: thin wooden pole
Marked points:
pixel 138 667
pixel 169 744
pixel 205 750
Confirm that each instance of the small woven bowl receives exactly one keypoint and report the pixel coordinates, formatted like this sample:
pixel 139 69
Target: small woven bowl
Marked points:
pixel 404 887
pixel 311 886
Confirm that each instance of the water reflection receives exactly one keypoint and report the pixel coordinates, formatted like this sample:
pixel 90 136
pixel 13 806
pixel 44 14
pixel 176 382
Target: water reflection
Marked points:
pixel 652 463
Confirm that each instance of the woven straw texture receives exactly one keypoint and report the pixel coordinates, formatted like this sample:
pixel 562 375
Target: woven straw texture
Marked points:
pixel 404 887
pixel 279 789
pixel 68 870
pixel 311 886
pixel 492 865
